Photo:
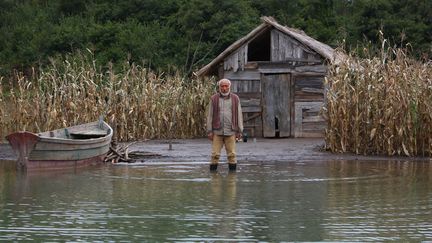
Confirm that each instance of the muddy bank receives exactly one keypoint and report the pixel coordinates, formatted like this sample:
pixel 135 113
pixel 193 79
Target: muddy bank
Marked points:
pixel 287 149
pixel 198 150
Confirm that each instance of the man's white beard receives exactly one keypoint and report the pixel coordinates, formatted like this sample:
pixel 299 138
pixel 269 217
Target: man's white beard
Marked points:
pixel 225 94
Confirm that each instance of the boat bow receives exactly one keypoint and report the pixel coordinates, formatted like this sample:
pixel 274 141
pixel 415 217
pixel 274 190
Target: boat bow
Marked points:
pixel 22 143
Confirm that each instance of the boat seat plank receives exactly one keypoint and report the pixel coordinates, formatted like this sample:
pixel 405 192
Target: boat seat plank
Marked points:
pixel 86 132
pixel 89 133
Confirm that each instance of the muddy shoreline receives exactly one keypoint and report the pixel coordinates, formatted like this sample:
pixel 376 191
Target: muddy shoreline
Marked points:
pixel 260 150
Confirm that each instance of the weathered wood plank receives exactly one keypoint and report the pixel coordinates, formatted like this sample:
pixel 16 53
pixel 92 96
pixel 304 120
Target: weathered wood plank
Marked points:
pixel 276 70
pixel 312 90
pixel 268 102
pixel 232 61
pixel 246 119
pixel 313 119
pixel 304 97
pixel 250 102
pixel 252 124
pixel 300 108
pixel 307 84
pixel 313 126
pixel 251 65
pixel 313 134
pixel 293 68
pixel 290 61
pixel 235 61
pixel 286 70
pixel 243 75
pixel 309 80
pixel 245 86
pixel 309 88
pixel 251 109
pixel 284 106
pixel 276 105
pixel 243 57
pixel 283 46
pixel 249 95
pixel 311 68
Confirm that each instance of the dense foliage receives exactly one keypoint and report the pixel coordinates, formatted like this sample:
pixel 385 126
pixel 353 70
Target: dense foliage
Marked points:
pixel 189 33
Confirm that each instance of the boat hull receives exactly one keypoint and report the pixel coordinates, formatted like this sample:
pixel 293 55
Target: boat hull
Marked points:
pixel 43 165
pixel 54 150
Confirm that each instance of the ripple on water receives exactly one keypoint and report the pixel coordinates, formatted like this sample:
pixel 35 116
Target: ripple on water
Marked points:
pixel 268 202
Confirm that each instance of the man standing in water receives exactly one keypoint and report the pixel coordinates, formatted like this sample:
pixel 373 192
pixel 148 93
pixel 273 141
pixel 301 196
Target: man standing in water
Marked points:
pixel 224 124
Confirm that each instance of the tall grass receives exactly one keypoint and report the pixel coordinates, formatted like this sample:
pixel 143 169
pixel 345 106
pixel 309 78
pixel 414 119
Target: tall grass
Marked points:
pixel 380 105
pixel 73 90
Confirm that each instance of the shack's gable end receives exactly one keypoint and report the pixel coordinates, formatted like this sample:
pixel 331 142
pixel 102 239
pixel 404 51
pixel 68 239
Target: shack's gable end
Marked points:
pixel 255 43
pixel 270 46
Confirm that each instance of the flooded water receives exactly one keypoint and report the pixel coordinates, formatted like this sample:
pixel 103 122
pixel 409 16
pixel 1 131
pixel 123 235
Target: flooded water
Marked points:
pixel 266 202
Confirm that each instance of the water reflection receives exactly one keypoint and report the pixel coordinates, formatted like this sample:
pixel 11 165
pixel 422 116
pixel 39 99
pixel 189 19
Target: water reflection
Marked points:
pixel 270 202
pixel 380 201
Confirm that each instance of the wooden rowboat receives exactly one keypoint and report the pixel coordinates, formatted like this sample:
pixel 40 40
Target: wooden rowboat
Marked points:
pixel 70 147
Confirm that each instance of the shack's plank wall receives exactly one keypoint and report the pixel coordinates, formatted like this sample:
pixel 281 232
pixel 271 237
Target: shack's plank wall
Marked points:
pixel 309 88
pixel 294 67
pixel 307 122
pixel 284 48
pixel 236 61
pixel 308 101
pixel 249 91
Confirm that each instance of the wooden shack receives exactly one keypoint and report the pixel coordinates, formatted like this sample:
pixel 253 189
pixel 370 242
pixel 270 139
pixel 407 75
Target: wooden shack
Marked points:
pixel 278 72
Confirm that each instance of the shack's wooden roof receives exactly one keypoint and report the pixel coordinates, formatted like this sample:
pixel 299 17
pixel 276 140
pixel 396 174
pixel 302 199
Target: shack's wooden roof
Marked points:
pixel 268 22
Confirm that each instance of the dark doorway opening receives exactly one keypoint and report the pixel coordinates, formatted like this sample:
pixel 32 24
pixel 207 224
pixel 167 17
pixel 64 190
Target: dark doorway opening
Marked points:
pixel 276 127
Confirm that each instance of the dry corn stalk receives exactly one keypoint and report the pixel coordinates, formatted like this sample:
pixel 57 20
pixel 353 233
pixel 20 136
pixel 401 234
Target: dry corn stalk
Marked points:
pixel 144 104
pixel 380 106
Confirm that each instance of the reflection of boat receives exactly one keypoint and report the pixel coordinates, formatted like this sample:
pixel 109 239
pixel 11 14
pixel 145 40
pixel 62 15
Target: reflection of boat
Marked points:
pixel 69 147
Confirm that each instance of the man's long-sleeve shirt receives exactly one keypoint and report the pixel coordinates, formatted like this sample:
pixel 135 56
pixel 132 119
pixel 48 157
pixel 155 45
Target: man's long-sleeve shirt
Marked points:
pixel 225 114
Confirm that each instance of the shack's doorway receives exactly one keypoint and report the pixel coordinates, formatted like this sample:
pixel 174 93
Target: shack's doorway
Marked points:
pixel 276 101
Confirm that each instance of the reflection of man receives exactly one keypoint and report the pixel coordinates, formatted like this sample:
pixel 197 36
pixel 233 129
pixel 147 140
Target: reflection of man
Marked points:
pixel 223 191
pixel 224 124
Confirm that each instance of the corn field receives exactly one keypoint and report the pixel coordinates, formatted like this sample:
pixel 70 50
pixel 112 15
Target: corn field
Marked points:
pixel 140 103
pixel 380 105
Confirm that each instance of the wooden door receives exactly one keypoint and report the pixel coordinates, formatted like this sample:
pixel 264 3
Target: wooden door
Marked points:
pixel 276 105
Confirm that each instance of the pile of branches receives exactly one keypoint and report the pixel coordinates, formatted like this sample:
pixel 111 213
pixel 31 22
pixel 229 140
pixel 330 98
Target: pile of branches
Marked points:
pixel 121 153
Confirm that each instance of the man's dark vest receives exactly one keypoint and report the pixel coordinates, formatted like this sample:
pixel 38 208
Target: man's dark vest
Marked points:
pixel 216 124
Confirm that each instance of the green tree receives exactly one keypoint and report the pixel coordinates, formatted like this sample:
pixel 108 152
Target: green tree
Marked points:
pixel 210 26
pixel 189 33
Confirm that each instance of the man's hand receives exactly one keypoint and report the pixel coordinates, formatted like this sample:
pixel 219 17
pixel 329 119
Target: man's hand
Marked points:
pixel 239 135
pixel 210 136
